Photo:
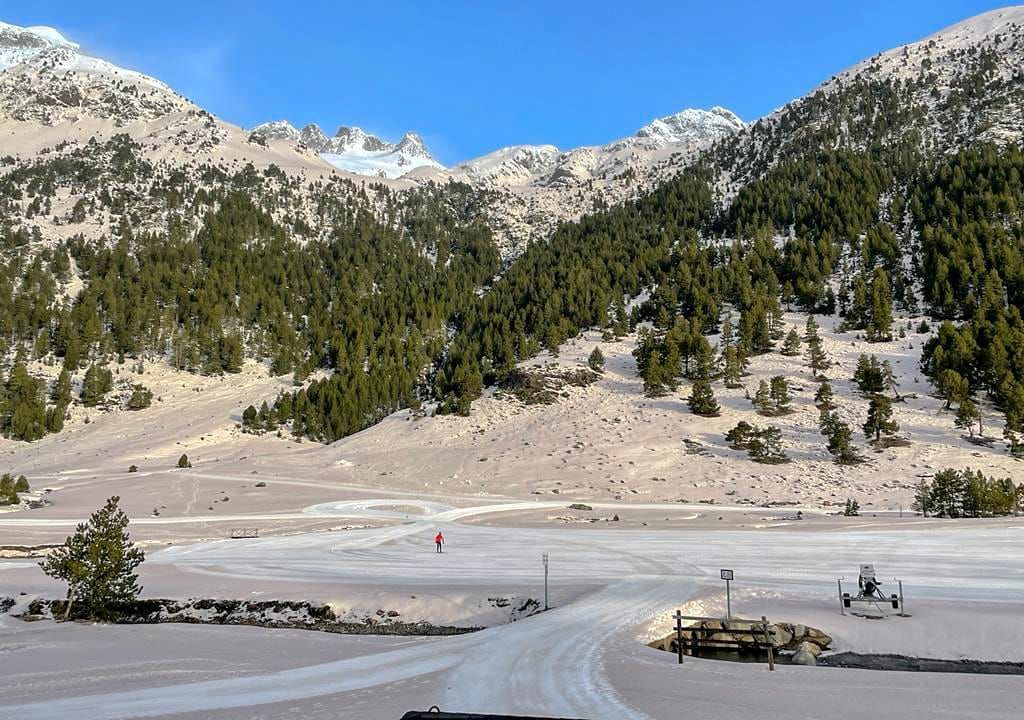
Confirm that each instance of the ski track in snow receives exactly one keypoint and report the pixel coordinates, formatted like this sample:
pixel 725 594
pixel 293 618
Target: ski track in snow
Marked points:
pixel 551 663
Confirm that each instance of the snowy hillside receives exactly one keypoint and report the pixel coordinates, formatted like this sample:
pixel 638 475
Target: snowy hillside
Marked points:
pixel 18 44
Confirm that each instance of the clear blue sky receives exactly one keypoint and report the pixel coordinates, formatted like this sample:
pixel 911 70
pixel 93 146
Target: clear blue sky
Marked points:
pixel 474 76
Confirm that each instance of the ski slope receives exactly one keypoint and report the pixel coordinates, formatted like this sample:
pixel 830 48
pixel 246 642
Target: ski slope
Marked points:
pixel 586 657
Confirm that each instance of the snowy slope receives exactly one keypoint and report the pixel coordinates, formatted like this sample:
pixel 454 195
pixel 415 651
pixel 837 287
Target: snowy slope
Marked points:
pixel 42 46
pixel 18 44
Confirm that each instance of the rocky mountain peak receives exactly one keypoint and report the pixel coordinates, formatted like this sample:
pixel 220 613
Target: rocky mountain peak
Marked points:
pixel 20 44
pixel 45 78
pixel 692 125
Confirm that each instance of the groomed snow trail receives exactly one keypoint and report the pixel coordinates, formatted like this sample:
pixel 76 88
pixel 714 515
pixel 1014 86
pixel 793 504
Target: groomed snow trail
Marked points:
pixel 553 663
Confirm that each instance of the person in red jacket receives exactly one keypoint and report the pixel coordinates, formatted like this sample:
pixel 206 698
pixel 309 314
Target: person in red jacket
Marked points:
pixel 439 540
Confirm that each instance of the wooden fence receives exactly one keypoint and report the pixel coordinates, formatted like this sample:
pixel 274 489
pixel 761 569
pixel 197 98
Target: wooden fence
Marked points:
pixel 696 637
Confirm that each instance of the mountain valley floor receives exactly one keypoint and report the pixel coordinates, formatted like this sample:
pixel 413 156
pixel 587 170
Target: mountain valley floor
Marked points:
pixel 351 525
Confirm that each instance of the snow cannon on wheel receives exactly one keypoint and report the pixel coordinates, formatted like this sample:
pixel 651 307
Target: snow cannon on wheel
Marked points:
pixel 869 593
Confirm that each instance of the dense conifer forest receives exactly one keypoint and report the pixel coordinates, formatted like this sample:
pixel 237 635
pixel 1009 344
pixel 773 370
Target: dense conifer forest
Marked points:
pixel 392 300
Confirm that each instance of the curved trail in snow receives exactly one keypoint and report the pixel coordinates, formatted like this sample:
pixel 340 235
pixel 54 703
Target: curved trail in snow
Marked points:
pixel 553 663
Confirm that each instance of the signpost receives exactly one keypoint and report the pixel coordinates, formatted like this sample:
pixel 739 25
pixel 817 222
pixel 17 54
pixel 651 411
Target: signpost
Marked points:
pixel 545 581
pixel 727 575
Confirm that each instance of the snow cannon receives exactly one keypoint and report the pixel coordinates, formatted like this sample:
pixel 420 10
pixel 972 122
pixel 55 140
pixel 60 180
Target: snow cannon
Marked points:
pixel 868 583
pixel 869 593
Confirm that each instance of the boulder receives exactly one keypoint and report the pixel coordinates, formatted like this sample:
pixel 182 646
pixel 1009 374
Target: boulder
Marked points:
pixel 818 638
pixel 805 655
pixel 783 635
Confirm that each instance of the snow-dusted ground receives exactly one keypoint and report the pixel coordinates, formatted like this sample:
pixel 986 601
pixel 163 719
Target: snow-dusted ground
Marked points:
pixel 585 658
pixel 351 524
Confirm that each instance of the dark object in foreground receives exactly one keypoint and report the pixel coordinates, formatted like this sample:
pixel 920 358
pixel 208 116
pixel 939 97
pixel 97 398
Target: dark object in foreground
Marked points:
pixel 435 714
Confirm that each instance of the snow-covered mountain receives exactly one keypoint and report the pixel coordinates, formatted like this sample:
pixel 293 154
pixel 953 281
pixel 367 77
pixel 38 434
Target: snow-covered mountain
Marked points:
pixel 53 94
pixel 45 78
pixel 355 150
pixel 691 126
pixel 547 166
pixel 534 187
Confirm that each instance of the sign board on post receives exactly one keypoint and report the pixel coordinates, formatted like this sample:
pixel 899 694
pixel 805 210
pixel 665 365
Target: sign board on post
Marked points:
pixel 728 577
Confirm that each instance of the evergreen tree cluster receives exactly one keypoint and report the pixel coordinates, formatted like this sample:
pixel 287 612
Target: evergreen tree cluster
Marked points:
pixel 968 493
pixel 10 486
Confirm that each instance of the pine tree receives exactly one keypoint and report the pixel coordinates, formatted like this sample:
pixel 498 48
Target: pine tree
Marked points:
pixel 952 387
pixel 60 393
pixel 184 462
pixel 97 383
pixel 880 420
pixel 967 415
pixel 733 366
pixel 791 346
pixel 249 419
pixel 811 329
pixel 840 441
pixel 22 408
pixel 816 357
pixel 141 397
pixel 879 326
pixel 9 489
pixel 780 396
pixel 620 326
pixel 702 399
pixel 766 446
pixel 98 563
pixel 823 397
pixel 923 498
pixel 869 375
pixel 596 360
pixel 762 399
pixel 740 436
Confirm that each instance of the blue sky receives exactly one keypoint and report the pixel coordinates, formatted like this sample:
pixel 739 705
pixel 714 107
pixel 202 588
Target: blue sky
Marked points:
pixel 474 76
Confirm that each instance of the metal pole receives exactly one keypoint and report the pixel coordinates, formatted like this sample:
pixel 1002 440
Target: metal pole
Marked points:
pixel 903 610
pixel 842 607
pixel 728 600
pixel 545 581
pixel 679 636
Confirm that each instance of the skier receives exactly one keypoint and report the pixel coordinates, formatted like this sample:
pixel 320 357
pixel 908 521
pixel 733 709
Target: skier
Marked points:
pixel 439 540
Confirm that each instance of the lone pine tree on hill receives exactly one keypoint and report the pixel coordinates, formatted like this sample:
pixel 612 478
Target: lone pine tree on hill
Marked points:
pixel 702 398
pixel 967 415
pixel 880 418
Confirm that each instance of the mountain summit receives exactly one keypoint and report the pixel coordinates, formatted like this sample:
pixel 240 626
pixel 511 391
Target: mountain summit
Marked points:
pixel 355 150
pixel 18 44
